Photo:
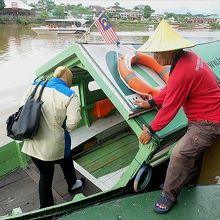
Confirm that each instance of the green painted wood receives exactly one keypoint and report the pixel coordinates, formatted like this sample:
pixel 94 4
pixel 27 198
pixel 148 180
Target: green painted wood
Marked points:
pixel 209 52
pixel 179 121
pixel 116 164
pixel 11 158
pixel 113 161
pixel 144 154
pixel 22 158
pixel 92 155
pixel 66 58
pixel 83 101
pixel 198 203
pixel 111 155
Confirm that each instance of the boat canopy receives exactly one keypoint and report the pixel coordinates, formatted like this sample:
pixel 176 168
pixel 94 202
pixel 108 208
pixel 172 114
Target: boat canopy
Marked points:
pixel 81 20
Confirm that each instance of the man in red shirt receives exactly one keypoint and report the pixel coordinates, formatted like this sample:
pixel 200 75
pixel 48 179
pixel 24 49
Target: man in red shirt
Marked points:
pixel 193 86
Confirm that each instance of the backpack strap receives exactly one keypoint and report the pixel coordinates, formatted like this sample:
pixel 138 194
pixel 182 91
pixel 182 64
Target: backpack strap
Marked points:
pixel 35 89
pixel 41 91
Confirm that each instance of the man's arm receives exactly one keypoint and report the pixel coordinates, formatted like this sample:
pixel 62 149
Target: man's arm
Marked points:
pixel 175 96
pixel 156 101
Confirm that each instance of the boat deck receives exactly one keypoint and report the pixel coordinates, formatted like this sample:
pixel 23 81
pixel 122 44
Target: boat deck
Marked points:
pixel 115 154
pixel 13 195
pixel 105 163
pixel 201 202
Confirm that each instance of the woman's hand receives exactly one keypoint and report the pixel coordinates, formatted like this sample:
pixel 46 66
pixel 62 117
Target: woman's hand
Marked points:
pixel 145 136
pixel 142 103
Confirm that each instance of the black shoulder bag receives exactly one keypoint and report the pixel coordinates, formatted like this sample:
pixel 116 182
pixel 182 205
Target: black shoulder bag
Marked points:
pixel 24 123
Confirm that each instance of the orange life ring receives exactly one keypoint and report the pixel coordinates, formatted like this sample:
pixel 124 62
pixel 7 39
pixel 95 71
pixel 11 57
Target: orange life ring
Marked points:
pixel 131 78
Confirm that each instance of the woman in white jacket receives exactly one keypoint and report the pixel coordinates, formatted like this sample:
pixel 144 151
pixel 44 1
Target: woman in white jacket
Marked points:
pixel 52 144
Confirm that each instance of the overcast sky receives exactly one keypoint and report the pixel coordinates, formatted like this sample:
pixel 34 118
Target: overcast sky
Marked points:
pixel 160 6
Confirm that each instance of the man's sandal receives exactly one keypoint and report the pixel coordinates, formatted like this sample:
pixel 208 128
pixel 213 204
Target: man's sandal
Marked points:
pixel 163 205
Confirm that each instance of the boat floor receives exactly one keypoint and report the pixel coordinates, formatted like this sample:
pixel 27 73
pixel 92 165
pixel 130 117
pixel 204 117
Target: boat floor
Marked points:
pixel 201 202
pixel 20 189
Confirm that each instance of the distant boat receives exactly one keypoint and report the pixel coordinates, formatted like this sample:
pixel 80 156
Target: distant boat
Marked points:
pixel 150 27
pixel 62 26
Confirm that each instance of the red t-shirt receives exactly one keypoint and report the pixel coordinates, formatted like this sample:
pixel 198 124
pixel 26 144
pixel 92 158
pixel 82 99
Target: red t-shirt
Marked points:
pixel 193 86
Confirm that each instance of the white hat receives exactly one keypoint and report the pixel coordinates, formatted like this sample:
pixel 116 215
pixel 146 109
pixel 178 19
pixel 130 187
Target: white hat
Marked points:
pixel 165 38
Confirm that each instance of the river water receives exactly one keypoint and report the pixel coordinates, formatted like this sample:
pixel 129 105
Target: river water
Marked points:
pixel 22 52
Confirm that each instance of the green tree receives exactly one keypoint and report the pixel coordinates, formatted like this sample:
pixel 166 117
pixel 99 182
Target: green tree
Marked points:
pixel 169 14
pixel 69 7
pixel 148 11
pixel 49 5
pixel 2 4
pixel 44 14
pixel 59 11
pixel 78 10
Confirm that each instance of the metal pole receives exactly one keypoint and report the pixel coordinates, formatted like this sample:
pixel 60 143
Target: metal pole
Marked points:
pixel 90 26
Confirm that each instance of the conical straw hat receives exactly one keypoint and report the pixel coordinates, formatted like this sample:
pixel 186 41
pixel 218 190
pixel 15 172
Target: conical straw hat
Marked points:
pixel 165 38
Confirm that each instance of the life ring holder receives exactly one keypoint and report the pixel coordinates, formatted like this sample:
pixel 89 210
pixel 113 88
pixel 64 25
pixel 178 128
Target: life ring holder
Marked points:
pixel 142 177
pixel 131 79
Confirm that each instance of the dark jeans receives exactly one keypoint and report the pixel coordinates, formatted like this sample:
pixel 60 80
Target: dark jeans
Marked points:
pixel 46 169
pixel 186 160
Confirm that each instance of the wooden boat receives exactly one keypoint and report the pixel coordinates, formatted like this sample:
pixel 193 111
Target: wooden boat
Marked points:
pixel 105 146
pixel 194 204
pixel 62 26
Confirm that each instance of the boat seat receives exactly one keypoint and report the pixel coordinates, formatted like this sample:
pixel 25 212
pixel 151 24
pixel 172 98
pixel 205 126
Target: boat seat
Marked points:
pixel 84 133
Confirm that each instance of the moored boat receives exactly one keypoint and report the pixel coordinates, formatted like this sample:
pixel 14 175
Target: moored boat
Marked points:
pixel 62 26
pixel 105 146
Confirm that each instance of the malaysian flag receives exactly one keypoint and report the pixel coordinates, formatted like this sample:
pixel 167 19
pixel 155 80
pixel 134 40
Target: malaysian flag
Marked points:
pixel 105 28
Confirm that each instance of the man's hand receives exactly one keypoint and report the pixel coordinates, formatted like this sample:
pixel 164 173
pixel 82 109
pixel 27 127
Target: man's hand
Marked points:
pixel 142 103
pixel 145 137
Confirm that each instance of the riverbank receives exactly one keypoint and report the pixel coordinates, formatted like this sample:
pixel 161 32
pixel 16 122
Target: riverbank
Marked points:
pixel 23 20
pixel 121 25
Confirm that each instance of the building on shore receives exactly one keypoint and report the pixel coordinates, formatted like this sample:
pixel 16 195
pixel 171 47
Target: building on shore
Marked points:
pixel 17 7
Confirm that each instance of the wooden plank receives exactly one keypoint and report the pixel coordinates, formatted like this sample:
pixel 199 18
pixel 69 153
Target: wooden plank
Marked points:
pixel 98 146
pixel 92 153
pixel 116 164
pixel 117 154
pixel 12 177
pixel 2 212
pixel 111 157
pixel 118 137
pixel 22 193
pixel 35 177
pixel 106 148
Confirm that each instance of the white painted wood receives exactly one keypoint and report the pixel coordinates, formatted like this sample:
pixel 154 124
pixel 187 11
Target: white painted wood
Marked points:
pixel 84 133
pixel 101 185
pixel 111 179
pixel 105 182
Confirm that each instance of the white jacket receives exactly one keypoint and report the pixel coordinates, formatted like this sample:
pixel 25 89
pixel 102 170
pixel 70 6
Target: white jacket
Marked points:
pixel 60 115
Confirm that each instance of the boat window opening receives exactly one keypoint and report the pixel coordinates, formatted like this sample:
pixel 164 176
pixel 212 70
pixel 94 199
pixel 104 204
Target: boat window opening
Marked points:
pixel 93 86
pixel 78 24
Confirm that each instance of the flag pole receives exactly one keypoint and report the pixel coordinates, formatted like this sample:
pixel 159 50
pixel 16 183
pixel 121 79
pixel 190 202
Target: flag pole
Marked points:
pixel 91 26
